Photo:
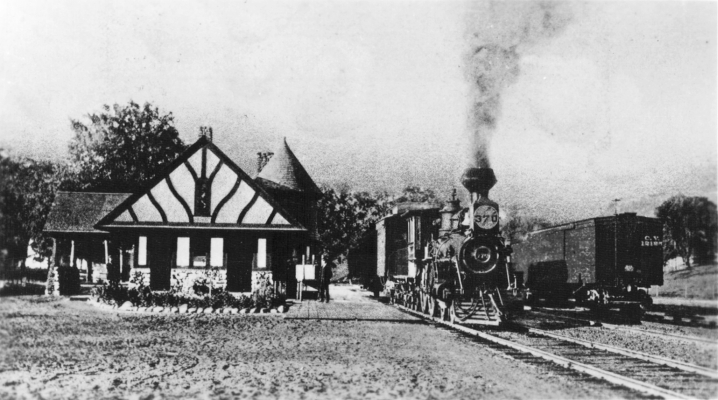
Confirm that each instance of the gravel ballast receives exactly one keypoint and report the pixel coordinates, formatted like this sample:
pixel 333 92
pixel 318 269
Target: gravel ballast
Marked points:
pixel 62 349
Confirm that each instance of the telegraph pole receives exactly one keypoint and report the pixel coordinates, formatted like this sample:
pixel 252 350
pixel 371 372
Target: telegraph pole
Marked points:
pixel 615 234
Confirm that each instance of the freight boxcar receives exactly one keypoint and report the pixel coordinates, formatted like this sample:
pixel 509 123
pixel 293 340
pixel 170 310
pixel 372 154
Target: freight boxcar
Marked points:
pixel 599 262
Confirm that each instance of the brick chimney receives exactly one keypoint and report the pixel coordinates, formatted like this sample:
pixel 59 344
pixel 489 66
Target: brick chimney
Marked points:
pixel 263 158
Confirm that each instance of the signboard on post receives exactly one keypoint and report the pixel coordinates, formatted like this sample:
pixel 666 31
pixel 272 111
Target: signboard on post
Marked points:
pixel 306 272
pixel 310 272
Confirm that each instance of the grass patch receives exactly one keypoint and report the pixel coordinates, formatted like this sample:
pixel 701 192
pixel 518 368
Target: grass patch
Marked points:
pixel 698 282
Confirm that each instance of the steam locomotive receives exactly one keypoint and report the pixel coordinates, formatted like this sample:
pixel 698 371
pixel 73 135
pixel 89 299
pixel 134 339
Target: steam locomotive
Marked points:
pixel 469 274
pixel 464 274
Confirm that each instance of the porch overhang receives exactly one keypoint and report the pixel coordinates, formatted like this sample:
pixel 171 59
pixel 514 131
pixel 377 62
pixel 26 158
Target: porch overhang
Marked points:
pixel 188 226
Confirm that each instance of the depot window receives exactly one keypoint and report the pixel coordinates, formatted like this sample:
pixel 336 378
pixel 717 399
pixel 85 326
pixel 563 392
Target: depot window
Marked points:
pixel 183 252
pixel 412 230
pixel 261 253
pixel 216 254
pixel 200 252
pixel 142 251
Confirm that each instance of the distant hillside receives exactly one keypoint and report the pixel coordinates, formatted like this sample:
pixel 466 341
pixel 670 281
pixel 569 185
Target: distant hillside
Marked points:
pixel 699 282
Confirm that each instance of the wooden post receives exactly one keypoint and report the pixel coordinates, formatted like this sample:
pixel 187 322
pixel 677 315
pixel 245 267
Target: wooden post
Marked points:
pixel 52 261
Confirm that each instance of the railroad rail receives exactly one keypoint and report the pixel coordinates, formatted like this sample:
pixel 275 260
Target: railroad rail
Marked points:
pixel 634 370
pixel 650 332
pixel 700 321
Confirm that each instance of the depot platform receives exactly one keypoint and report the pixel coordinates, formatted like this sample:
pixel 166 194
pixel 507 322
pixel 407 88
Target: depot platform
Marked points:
pixel 348 303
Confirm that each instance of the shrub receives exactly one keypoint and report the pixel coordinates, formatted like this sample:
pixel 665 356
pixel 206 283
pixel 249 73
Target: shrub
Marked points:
pixel 201 294
pixel 265 296
pixel 111 293
pixel 245 302
pixel 222 299
pixel 21 289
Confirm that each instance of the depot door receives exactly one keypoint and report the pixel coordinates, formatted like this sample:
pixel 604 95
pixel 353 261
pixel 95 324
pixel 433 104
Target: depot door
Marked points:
pixel 160 250
pixel 239 264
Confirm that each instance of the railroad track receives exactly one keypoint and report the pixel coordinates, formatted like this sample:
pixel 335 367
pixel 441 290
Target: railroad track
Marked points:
pixel 700 321
pixel 650 332
pixel 656 376
pixel 681 319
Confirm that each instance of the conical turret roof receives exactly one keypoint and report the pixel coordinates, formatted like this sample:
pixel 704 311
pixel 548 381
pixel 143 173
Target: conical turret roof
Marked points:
pixel 285 170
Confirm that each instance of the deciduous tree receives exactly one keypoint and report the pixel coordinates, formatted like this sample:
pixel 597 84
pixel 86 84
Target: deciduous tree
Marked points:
pixel 27 189
pixel 517 223
pixel 344 216
pixel 689 228
pixel 122 147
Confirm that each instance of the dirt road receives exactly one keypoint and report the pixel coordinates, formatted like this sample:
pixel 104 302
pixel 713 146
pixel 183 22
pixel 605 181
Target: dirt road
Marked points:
pixel 63 349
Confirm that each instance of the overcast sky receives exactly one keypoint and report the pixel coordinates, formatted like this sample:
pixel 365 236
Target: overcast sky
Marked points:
pixel 618 103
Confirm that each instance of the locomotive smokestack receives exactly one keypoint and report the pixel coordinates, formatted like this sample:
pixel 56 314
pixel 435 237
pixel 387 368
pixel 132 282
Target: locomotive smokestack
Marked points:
pixel 478 181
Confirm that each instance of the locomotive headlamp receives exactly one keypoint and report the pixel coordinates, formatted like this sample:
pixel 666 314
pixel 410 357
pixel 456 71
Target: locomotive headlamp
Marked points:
pixel 629 268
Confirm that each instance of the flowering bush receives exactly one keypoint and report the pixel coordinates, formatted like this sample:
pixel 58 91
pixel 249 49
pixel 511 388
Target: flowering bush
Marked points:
pixel 200 294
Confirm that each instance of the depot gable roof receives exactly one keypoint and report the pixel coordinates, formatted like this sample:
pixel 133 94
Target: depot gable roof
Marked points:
pixel 203 188
pixel 78 212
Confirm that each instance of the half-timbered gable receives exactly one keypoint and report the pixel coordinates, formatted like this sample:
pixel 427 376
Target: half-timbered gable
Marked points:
pixel 203 188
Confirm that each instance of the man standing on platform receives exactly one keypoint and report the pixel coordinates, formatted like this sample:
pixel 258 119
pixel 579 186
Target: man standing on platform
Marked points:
pixel 327 274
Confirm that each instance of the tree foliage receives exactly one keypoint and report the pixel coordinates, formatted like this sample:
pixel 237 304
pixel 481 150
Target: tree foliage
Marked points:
pixel 689 228
pixel 27 189
pixel 344 216
pixel 417 194
pixel 122 148
pixel 517 223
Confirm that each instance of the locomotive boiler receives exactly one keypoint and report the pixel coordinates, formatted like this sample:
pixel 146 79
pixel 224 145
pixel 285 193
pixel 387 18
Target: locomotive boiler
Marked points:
pixel 464 274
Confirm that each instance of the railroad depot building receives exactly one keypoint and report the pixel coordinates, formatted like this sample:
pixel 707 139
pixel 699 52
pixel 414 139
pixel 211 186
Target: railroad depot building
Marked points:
pixel 203 212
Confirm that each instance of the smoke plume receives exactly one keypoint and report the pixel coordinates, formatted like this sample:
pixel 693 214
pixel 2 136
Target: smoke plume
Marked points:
pixel 499 32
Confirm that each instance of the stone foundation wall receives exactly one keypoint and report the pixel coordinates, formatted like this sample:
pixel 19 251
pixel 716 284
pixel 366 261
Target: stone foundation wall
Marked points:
pixel 187 277
pixel 52 287
pixel 258 277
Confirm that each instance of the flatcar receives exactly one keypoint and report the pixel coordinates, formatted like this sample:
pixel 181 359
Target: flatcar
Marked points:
pixel 605 262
